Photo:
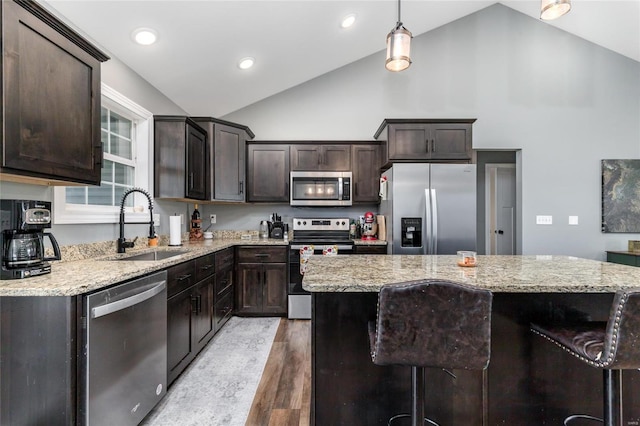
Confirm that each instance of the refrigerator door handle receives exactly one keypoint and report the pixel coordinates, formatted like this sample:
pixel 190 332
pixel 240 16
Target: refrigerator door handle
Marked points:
pixel 427 222
pixel 434 224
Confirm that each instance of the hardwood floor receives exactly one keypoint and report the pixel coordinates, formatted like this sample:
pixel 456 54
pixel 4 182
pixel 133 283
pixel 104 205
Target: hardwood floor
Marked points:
pixel 283 396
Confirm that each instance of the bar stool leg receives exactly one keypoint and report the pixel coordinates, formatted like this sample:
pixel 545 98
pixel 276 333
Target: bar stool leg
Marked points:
pixel 417 396
pixel 612 397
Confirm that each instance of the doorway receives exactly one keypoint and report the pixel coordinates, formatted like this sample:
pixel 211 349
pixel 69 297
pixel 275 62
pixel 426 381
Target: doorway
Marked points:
pixel 500 205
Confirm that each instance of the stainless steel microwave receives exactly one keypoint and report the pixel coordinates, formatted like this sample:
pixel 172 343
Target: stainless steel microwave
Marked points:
pixel 328 189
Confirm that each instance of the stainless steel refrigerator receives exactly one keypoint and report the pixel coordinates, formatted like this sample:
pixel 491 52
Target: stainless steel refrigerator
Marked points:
pixel 429 208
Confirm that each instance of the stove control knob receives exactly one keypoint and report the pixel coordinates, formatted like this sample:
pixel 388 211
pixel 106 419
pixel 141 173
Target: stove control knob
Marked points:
pixel 337 223
pixel 298 223
pixel 304 222
pixel 343 223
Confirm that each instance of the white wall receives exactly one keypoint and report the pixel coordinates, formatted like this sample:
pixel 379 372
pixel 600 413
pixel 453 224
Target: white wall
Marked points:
pixel 565 102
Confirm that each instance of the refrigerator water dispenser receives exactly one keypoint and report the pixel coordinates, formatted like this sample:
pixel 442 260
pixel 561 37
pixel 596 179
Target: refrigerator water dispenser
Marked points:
pixel 411 231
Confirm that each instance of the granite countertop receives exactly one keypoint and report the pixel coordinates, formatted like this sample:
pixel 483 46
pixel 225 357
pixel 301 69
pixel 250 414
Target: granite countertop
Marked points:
pixel 515 274
pixel 83 276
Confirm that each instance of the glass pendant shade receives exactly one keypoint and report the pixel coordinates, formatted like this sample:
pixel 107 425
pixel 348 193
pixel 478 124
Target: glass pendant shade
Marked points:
pixel 552 9
pixel 398 49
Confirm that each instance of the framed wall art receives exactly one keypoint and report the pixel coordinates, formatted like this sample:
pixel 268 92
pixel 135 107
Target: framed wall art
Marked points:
pixel 621 196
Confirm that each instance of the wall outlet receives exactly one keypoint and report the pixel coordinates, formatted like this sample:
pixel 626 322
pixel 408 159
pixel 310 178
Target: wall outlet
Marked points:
pixel 212 217
pixel 544 220
pixel 573 220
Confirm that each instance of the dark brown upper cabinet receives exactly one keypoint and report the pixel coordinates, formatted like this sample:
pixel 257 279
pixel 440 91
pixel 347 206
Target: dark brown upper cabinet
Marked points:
pixel 440 140
pixel 181 158
pixel 226 168
pixel 268 172
pixel 366 172
pixel 51 100
pixel 314 156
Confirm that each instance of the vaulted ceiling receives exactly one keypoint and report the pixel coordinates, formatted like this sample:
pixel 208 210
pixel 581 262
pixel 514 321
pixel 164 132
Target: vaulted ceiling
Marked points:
pixel 194 61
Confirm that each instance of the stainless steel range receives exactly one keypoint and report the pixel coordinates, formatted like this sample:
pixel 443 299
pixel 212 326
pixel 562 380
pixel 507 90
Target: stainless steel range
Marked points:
pixel 313 237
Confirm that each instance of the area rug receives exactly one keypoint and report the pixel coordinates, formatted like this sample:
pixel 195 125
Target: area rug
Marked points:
pixel 218 387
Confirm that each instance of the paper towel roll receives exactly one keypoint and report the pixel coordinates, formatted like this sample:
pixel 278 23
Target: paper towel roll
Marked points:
pixel 174 231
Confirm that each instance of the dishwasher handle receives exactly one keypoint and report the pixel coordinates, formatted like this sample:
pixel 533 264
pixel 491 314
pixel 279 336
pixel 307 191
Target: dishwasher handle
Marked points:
pixel 109 308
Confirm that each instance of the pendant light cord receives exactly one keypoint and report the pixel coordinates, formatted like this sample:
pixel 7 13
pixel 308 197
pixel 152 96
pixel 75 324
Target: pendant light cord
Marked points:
pixel 399 23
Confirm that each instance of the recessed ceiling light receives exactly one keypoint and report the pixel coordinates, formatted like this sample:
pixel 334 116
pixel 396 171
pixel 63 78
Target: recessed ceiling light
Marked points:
pixel 246 63
pixel 348 20
pixel 145 36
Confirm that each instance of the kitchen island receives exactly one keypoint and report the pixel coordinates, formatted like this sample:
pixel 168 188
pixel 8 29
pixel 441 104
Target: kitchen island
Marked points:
pixel 529 381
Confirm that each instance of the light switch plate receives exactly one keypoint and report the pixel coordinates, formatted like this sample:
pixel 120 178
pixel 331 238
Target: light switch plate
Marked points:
pixel 573 220
pixel 544 220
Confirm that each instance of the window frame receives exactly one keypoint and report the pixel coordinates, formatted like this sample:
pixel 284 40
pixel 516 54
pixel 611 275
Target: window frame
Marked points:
pixel 64 213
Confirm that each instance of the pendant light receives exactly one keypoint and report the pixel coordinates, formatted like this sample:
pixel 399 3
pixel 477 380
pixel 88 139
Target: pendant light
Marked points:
pixel 552 9
pixel 398 47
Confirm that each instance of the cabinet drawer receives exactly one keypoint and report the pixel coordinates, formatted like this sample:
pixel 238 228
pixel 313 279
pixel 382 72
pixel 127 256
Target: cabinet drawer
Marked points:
pixel 224 282
pixel 180 277
pixel 223 311
pixel 262 254
pixel 205 266
pixel 224 259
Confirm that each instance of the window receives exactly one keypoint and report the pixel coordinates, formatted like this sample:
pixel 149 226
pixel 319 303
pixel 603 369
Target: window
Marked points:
pixel 125 134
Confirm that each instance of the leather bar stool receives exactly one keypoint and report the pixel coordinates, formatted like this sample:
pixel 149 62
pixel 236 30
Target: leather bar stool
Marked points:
pixel 431 323
pixel 613 345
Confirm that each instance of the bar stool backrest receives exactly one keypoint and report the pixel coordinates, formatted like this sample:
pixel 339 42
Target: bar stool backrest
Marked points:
pixel 622 339
pixel 433 323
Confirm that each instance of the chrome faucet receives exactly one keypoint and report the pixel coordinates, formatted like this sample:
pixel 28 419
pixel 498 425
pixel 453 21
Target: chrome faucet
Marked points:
pixel 122 242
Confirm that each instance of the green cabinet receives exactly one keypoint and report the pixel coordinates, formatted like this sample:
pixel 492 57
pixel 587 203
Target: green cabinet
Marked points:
pixel 624 257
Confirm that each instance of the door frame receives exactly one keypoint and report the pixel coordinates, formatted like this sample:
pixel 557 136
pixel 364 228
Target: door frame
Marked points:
pixel 490 205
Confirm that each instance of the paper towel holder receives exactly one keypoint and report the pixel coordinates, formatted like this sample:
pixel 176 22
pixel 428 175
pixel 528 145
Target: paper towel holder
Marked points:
pixel 175 234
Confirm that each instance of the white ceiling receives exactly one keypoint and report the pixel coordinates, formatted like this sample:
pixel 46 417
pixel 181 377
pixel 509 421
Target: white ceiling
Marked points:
pixel 194 61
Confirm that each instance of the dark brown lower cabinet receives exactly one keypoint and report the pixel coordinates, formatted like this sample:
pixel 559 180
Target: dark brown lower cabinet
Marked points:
pixel 39 346
pixel 190 319
pixel 262 281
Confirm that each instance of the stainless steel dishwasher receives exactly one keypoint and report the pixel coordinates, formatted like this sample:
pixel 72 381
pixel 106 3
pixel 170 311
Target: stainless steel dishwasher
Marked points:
pixel 125 352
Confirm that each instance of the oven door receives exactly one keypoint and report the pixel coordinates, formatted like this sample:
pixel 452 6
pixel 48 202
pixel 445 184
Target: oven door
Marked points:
pixel 320 188
pixel 299 300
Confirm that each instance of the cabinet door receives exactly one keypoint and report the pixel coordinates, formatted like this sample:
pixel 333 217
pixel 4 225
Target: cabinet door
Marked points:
pixel 249 285
pixel 229 163
pixel 305 157
pixel 196 167
pixel 51 100
pixel 408 142
pixel 450 141
pixel 275 288
pixel 366 173
pixel 203 322
pixel 180 348
pixel 320 156
pixel 336 158
pixel 268 173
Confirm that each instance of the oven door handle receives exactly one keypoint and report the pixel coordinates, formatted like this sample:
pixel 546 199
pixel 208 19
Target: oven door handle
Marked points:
pixel 320 246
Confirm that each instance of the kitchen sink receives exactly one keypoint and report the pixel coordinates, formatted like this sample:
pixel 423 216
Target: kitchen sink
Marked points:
pixel 154 255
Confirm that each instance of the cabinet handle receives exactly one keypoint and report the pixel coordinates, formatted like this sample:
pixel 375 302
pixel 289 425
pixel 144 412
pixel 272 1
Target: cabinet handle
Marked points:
pixel 194 305
pixel 199 303
pixel 433 145
pixel 241 187
pixel 262 255
pixel 190 180
pixel 206 267
pixel 183 277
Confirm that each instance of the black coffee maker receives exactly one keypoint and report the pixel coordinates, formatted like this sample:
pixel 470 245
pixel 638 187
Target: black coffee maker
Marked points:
pixel 23 251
